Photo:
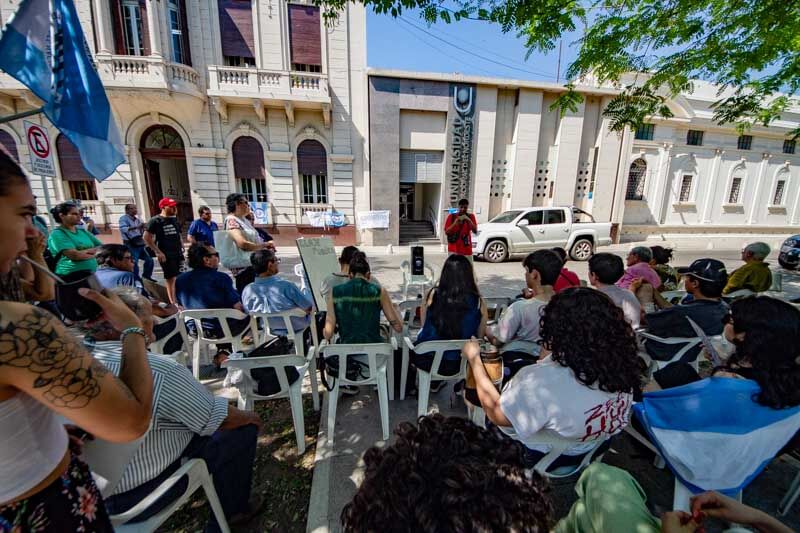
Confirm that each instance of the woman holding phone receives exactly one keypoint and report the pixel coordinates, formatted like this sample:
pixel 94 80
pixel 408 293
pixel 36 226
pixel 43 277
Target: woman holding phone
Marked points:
pixel 73 247
pixel 46 374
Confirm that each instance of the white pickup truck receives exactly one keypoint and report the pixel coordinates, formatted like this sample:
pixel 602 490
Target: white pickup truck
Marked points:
pixel 527 229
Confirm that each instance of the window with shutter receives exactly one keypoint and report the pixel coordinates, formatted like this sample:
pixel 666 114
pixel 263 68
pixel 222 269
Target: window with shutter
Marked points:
pixel 312 165
pixel 304 38
pixel 131 35
pixel 81 184
pixel 179 33
pixel 249 169
pixel 9 145
pixel 236 28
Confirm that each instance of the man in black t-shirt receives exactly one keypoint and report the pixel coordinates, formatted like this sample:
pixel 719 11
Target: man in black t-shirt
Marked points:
pixel 163 236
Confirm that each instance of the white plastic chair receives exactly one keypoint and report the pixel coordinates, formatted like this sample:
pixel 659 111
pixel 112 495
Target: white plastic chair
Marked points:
pixel 437 348
pixel 558 446
pixel 159 345
pixel 425 281
pixel 300 272
pixel 201 342
pixel 777 282
pixel 673 297
pixel 794 489
pixel 741 293
pixel 658 461
pixel 263 335
pixel 499 304
pixel 108 461
pixel 376 356
pixel 408 313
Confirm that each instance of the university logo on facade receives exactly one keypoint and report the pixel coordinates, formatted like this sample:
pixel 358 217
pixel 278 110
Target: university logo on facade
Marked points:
pixel 461 136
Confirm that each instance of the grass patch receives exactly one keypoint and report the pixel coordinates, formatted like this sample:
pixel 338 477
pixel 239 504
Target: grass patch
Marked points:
pixel 281 476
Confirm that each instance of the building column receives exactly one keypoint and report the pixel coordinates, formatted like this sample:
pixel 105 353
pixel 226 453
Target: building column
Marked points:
pixel 569 149
pixel 526 147
pixel 102 21
pixel 485 112
pixel 621 179
pixel 656 200
pixel 712 185
pixel 762 169
pixel 154 28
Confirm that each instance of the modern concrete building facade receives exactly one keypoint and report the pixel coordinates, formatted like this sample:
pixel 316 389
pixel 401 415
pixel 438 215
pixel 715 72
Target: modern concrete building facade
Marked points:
pixel 215 96
pixel 434 138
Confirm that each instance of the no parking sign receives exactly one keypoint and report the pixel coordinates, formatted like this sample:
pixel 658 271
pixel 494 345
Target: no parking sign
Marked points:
pixel 40 150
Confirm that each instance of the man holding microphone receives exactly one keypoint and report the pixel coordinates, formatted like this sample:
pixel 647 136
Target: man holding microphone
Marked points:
pixel 459 228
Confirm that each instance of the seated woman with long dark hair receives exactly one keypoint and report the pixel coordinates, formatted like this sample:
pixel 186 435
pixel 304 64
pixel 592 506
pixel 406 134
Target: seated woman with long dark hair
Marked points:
pixel 454 310
pixel 581 388
pixel 762 334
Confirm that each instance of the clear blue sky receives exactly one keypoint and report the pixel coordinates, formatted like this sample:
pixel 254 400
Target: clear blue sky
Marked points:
pixel 403 44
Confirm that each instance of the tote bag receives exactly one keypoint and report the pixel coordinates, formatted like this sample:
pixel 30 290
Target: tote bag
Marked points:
pixel 230 255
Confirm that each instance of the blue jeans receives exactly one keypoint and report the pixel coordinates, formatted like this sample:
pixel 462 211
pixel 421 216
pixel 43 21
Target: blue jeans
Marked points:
pixel 139 252
pixel 229 456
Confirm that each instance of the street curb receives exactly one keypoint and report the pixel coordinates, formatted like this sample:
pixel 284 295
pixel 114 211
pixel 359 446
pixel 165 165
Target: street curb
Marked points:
pixel 318 503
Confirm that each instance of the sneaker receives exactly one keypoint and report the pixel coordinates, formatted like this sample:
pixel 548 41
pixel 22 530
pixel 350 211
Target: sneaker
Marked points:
pixel 348 390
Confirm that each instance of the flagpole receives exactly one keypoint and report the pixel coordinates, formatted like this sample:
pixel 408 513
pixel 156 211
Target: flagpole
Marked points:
pixel 24 114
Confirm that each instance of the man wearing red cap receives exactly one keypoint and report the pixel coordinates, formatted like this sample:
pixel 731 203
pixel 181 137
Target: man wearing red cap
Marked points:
pixel 163 236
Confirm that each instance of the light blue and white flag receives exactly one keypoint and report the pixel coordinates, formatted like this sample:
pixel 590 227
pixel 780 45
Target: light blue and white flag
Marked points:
pixel 713 435
pixel 74 98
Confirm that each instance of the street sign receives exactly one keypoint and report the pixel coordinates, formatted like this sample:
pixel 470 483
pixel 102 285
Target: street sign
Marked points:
pixel 40 150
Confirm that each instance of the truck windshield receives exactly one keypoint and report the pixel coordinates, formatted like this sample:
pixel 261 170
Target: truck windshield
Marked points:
pixel 506 216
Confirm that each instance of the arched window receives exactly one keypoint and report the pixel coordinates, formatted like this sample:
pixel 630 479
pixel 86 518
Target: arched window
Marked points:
pixel 8 143
pixel 737 185
pixel 81 184
pixel 248 167
pixel 312 165
pixel 636 175
pixel 779 193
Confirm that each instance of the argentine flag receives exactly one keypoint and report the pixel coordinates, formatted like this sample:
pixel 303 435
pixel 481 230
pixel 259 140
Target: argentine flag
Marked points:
pixel 74 98
pixel 712 433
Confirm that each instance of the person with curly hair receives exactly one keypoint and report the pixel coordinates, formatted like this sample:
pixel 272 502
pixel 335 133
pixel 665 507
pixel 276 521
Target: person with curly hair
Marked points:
pixel 582 387
pixel 448 475
pixel 666 272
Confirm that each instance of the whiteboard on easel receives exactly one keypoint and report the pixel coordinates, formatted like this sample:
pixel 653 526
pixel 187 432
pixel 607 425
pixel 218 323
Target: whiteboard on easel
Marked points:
pixel 319 261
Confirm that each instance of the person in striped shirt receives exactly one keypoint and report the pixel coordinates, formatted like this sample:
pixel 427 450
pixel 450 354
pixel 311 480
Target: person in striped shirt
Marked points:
pixel 188 422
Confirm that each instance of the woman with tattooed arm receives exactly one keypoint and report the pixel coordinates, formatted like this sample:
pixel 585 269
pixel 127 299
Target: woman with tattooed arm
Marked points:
pixel 46 372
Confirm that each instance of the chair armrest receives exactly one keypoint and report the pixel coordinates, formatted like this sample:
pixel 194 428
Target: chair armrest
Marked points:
pixel 408 343
pixel 668 340
pixel 275 361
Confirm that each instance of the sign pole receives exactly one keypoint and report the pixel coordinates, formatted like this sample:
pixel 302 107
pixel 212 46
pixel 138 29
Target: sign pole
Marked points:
pixel 24 114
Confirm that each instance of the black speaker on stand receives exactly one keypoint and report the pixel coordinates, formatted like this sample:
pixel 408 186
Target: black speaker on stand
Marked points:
pixel 417 261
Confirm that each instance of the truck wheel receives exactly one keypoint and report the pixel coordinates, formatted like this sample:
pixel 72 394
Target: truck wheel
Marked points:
pixel 496 251
pixel 785 265
pixel 581 250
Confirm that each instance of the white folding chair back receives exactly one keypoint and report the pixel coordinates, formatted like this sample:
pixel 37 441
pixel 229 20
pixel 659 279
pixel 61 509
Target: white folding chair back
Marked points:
pixel 558 446
pixel 409 280
pixel 201 342
pixel 408 313
pixel 376 356
pixel 108 460
pixel 159 346
pixel 437 349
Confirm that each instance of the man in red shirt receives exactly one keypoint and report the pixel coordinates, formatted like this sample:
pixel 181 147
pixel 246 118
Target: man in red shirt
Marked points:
pixel 459 228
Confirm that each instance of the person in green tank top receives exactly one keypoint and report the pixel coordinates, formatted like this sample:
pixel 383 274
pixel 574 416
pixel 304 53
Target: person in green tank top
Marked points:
pixel 356 307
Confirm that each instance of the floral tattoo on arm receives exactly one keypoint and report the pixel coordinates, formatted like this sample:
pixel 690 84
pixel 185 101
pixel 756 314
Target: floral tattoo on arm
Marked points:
pixel 66 377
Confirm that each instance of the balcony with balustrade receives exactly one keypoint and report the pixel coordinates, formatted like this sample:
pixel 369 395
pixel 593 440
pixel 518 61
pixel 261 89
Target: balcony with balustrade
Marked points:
pixel 261 88
pixel 148 72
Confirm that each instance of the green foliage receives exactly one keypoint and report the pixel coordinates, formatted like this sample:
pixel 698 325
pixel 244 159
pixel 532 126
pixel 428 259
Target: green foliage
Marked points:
pixel 750 48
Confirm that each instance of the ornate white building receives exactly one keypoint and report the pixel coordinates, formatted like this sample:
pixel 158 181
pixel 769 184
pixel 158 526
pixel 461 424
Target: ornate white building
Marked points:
pixel 215 96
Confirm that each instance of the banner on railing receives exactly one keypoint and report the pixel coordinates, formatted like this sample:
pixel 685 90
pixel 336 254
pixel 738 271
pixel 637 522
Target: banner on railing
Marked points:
pixel 373 219
pixel 260 212
pixel 326 219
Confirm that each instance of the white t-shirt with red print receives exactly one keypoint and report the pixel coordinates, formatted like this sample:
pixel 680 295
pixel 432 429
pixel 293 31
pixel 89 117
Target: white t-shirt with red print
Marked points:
pixel 546 396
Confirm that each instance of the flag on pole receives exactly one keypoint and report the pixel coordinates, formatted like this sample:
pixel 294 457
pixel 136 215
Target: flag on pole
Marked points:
pixel 713 435
pixel 66 80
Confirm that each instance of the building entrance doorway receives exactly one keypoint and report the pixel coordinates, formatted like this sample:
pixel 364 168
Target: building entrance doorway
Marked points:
pixel 420 212
pixel 166 175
